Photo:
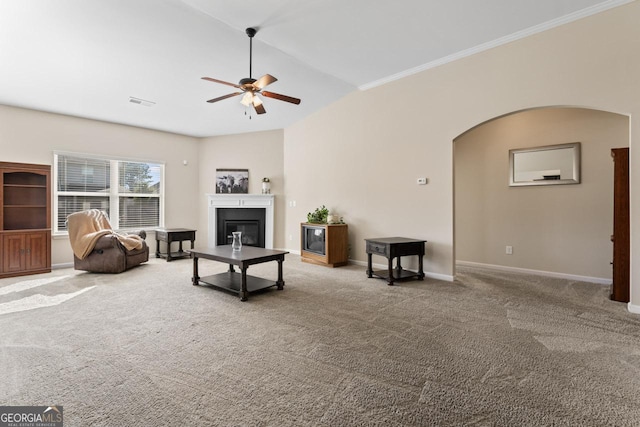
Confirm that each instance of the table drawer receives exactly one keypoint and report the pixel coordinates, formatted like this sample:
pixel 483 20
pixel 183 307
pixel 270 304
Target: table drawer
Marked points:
pixel 377 248
pixel 175 236
pixel 182 235
pixel 416 248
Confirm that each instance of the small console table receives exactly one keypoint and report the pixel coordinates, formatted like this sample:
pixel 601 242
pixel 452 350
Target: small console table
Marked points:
pixel 169 235
pixel 395 247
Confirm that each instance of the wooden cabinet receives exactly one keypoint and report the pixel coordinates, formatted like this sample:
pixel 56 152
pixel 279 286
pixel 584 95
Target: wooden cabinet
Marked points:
pixel 26 253
pixel 25 219
pixel 621 230
pixel 324 244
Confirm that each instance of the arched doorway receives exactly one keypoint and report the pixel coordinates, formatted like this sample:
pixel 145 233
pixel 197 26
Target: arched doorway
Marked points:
pixel 557 230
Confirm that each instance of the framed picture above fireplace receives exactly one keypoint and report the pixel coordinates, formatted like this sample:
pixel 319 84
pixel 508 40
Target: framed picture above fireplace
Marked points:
pixel 232 181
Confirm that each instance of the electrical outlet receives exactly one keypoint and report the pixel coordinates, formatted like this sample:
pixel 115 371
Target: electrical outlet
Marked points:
pixel 422 181
pixel 509 250
pixel 290 236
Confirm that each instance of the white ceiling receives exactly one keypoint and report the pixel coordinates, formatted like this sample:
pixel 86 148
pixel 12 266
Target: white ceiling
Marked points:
pixel 87 57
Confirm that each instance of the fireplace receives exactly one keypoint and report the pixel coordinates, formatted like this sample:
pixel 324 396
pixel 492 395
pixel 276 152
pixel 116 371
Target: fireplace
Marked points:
pixel 249 221
pixel 252 214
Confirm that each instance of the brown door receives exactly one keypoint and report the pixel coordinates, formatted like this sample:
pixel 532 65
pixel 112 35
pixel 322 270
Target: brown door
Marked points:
pixel 620 237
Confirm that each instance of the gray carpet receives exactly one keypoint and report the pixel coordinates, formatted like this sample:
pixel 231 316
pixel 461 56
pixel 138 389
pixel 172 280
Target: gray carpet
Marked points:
pixel 146 348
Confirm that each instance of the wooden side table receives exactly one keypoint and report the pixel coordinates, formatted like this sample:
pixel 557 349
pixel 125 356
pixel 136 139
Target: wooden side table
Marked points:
pixel 169 235
pixel 395 247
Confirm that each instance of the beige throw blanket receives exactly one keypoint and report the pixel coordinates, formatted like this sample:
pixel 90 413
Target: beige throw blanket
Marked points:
pixel 86 227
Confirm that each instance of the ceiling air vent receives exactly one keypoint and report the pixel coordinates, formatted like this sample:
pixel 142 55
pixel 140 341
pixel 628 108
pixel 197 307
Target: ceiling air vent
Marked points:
pixel 139 101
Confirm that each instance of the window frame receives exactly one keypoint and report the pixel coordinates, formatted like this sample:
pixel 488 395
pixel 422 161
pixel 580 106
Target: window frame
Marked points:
pixel 114 195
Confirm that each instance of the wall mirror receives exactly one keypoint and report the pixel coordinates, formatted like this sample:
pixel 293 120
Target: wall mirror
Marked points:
pixel 548 165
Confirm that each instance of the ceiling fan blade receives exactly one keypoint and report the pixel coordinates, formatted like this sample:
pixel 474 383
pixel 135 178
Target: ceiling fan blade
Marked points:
pixel 220 98
pixel 257 104
pixel 281 97
pixel 259 108
pixel 263 81
pixel 221 82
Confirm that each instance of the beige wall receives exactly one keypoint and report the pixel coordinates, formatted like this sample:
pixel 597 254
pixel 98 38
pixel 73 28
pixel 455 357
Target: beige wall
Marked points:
pixel 556 228
pixel 31 137
pixel 261 153
pixel 362 155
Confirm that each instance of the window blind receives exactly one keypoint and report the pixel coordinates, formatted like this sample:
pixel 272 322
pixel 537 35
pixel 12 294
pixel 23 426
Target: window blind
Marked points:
pixel 130 192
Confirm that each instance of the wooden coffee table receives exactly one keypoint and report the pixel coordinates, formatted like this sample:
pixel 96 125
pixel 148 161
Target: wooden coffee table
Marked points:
pixel 239 283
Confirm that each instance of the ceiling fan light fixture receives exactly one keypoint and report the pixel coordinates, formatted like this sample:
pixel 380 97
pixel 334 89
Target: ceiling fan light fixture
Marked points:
pixel 247 99
pixel 256 100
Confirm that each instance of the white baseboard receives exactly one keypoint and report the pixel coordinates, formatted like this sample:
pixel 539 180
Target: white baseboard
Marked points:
pixel 598 280
pixel 635 309
pixel 62 265
pixel 437 276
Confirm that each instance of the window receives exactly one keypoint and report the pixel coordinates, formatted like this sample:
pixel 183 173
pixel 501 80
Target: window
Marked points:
pixel 130 192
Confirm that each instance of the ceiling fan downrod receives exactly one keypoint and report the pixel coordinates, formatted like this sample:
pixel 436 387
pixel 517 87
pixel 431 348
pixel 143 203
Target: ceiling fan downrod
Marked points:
pixel 250 32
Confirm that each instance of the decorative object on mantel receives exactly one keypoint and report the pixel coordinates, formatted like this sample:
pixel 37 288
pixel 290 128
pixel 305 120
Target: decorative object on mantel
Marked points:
pixel 266 186
pixel 232 181
pixel 236 245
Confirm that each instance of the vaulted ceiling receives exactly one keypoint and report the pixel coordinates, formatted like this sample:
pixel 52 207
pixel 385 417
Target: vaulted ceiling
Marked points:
pixel 88 58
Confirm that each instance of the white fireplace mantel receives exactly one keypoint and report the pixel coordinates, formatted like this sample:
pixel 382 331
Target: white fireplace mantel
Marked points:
pixel 217 201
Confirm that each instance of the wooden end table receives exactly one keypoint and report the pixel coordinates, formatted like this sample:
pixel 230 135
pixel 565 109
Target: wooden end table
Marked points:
pixel 395 247
pixel 239 283
pixel 169 235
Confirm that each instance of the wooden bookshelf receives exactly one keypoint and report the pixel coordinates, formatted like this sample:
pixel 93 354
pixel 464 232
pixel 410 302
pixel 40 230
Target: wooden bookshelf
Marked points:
pixel 25 219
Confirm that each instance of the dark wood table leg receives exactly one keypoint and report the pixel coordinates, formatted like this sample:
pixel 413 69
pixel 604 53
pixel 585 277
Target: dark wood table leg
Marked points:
pixel 231 269
pixel 180 251
pixel 390 271
pixel 369 269
pixel 399 267
pixel 157 248
pixel 196 279
pixel 280 282
pixel 243 287
pixel 169 249
pixel 420 267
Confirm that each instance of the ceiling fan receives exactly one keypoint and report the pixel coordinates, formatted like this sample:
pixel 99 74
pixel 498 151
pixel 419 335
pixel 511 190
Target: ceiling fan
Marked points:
pixel 251 87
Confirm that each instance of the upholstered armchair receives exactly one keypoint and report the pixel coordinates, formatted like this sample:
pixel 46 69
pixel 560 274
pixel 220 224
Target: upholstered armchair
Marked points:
pixel 99 249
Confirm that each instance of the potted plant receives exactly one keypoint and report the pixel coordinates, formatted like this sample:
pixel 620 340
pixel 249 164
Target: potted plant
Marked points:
pixel 319 216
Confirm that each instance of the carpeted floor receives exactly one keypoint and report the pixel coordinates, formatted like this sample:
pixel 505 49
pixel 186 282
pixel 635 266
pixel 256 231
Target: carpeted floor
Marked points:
pixel 146 348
